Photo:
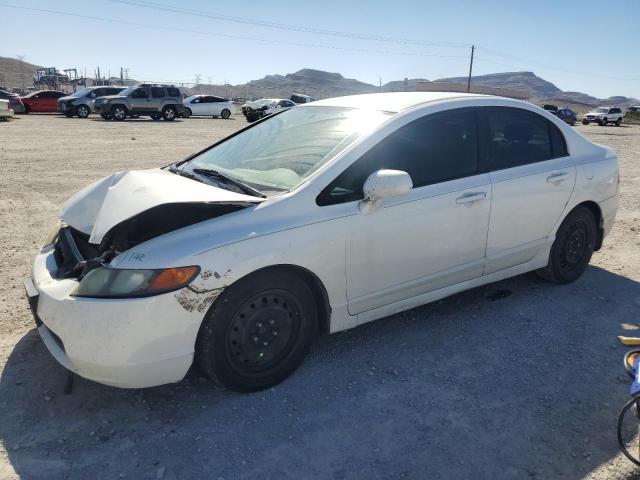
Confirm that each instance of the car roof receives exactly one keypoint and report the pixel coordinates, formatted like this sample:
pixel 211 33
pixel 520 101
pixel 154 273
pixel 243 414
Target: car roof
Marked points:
pixel 390 102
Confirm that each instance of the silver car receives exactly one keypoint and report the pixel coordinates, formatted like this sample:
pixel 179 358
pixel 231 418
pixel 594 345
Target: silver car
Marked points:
pixel 82 103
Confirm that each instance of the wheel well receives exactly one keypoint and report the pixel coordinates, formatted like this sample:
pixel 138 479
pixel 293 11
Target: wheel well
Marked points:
pixel 597 213
pixel 314 283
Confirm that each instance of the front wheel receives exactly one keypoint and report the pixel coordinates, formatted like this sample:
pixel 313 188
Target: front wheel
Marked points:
pixel 584 122
pixel 169 114
pixel 118 112
pixel 83 111
pixel 258 331
pixel 603 122
pixel 226 113
pixel 105 116
pixel 572 248
pixel 618 122
pixel 187 113
pixel 156 117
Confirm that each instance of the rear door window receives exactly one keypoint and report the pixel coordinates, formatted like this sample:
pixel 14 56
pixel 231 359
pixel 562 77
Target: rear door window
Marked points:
pixel 513 137
pixel 173 92
pixel 157 92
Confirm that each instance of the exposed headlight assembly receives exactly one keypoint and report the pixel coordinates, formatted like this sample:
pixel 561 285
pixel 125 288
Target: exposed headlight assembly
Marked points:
pixel 106 282
pixel 53 233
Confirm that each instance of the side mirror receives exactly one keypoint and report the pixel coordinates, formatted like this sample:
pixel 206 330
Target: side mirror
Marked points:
pixel 381 184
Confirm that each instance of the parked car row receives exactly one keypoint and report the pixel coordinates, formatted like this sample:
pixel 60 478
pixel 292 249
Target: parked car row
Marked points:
pixel 601 115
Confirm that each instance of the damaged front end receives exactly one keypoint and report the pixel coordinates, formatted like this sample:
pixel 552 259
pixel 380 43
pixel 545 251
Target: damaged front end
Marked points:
pixel 76 256
pixel 127 209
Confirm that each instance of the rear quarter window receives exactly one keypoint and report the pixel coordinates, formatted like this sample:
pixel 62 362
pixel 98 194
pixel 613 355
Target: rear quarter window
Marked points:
pixel 173 92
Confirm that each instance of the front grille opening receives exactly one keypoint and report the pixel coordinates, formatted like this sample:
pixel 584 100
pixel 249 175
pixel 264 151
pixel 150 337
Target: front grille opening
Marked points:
pixel 71 249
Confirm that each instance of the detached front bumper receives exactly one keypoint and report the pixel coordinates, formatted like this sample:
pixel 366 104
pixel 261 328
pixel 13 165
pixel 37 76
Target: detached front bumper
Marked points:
pixel 130 343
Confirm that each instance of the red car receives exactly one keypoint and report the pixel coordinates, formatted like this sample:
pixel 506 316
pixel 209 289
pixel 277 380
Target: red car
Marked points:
pixel 42 101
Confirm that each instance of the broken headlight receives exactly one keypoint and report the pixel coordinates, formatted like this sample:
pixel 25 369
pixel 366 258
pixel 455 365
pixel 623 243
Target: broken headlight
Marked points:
pixel 106 282
pixel 53 233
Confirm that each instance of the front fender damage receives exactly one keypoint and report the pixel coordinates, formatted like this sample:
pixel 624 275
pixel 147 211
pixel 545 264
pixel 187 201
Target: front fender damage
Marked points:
pixel 196 300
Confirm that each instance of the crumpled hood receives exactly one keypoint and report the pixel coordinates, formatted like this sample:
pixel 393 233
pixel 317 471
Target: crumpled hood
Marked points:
pixel 106 203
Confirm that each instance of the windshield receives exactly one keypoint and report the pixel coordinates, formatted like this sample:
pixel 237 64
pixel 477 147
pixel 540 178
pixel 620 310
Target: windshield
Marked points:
pixel 601 110
pixel 282 152
pixel 127 91
pixel 82 93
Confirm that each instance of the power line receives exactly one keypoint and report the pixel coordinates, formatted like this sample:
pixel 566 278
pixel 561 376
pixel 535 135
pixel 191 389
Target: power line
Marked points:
pixel 285 26
pixel 492 52
pixel 224 35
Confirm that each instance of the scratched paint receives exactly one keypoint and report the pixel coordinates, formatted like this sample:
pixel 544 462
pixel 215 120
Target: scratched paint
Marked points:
pixel 192 301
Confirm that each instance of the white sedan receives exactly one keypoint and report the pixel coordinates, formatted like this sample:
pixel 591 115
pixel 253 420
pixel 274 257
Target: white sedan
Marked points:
pixel 208 105
pixel 315 220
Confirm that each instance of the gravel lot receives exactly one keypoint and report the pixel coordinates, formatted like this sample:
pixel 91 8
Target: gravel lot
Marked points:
pixel 519 379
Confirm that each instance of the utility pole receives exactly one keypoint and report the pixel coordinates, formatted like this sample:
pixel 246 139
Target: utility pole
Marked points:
pixel 21 58
pixel 473 47
pixel 380 83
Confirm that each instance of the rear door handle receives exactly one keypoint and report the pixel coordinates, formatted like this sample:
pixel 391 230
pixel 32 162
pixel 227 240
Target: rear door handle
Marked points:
pixel 471 197
pixel 557 177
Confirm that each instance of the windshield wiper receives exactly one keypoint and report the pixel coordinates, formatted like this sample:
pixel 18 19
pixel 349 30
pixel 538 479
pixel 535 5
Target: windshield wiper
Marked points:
pixel 231 180
pixel 182 173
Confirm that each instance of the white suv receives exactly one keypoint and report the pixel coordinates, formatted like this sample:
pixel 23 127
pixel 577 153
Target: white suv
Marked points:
pixel 603 116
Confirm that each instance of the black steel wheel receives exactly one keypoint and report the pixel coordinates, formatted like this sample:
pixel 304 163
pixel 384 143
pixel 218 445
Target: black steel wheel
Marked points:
pixel 572 249
pixel 258 331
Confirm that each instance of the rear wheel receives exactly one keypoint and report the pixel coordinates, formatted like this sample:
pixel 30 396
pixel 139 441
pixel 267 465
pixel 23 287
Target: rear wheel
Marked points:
pixel 83 111
pixel 169 114
pixel 226 113
pixel 118 112
pixel 156 117
pixel 258 331
pixel 572 248
pixel 187 113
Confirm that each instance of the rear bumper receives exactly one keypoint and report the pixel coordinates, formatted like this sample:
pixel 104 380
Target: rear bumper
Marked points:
pixel 129 343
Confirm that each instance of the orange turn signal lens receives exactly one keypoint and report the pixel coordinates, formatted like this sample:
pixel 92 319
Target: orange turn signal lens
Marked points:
pixel 172 278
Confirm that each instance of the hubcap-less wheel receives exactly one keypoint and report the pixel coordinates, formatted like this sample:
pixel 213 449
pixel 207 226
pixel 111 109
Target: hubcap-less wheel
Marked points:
pixel 187 113
pixel 118 113
pixel 226 113
pixel 263 331
pixel 83 111
pixel 572 249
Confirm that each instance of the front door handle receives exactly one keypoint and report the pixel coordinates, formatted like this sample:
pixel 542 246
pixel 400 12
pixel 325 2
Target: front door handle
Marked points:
pixel 471 197
pixel 557 177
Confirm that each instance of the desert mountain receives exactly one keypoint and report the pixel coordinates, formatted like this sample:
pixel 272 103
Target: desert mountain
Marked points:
pixel 321 84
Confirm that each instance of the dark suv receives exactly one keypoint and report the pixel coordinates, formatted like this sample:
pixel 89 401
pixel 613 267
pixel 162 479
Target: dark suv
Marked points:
pixel 157 101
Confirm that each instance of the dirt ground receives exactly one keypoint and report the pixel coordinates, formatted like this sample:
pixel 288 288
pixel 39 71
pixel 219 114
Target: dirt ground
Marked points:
pixel 519 379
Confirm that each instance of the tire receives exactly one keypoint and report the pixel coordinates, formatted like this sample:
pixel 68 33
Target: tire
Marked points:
pixel 602 122
pixel 619 122
pixel 27 109
pixel 169 114
pixel 258 331
pixel 105 116
pixel 187 113
pixel 156 117
pixel 572 249
pixel 584 122
pixel 226 113
pixel 83 111
pixel 118 113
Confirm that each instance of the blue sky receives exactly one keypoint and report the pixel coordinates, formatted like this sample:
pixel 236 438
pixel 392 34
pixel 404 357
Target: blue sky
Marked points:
pixel 582 45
